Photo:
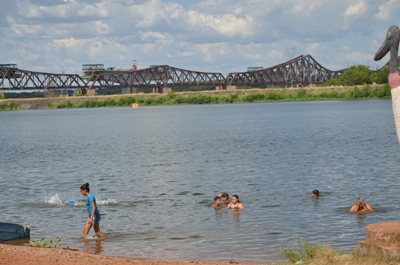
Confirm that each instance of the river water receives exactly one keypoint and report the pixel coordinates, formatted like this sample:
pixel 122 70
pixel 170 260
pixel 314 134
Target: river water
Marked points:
pixel 155 171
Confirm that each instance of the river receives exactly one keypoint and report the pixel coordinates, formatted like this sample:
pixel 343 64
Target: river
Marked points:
pixel 155 171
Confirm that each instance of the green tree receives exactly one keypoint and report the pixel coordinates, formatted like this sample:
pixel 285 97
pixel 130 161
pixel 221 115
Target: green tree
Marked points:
pixel 381 77
pixel 356 75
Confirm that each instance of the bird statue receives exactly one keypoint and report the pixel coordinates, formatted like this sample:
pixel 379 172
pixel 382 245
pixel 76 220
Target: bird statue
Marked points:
pixel 391 44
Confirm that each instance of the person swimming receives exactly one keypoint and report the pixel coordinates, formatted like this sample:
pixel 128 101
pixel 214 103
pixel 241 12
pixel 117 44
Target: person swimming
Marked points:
pixel 315 194
pixel 217 203
pixel 224 198
pixel 361 206
pixel 235 203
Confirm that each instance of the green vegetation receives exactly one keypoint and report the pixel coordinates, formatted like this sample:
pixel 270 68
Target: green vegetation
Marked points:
pixel 359 75
pixel 304 253
pixel 265 95
pixel 11 106
pixel 44 244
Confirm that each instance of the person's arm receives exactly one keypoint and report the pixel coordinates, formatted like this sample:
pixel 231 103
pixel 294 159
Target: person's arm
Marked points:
pixel 354 208
pixel 229 205
pixel 369 208
pixel 93 211
pixel 240 206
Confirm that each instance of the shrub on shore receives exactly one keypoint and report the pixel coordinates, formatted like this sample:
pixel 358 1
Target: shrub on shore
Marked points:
pixel 11 106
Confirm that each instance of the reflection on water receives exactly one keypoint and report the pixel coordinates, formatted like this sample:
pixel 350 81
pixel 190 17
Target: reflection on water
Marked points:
pixel 155 171
pixel 235 215
pixel 93 246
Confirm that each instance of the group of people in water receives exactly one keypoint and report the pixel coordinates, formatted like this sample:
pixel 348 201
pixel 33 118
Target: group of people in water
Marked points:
pixel 223 199
pixel 219 202
pixel 360 206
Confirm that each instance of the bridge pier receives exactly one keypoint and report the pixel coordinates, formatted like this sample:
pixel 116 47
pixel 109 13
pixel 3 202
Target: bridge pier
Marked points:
pixel 162 90
pixel 125 90
pixel 91 92
pixel 227 88
pixel 129 90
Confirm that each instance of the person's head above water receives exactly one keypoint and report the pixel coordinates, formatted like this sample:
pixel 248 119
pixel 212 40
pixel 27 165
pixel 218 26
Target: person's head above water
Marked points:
pixel 217 202
pixel 361 206
pixel 85 187
pixel 225 197
pixel 315 194
pixel 236 198
pixel 360 202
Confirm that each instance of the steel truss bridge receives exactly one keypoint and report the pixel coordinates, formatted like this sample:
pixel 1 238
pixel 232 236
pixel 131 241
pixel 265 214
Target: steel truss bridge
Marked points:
pixel 300 70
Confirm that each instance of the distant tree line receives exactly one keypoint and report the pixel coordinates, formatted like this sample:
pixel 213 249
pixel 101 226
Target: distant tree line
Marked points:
pixel 359 75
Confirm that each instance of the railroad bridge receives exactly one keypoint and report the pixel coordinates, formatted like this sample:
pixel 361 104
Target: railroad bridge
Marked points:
pixel 300 70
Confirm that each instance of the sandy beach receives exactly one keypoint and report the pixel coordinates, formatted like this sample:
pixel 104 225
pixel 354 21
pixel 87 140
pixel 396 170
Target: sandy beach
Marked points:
pixel 10 254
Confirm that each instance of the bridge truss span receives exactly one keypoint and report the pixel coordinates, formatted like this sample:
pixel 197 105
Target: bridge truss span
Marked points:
pixel 299 70
pixel 13 78
pixel 158 76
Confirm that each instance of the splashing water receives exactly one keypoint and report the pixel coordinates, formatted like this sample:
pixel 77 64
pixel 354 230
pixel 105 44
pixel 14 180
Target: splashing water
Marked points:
pixel 106 202
pixel 53 199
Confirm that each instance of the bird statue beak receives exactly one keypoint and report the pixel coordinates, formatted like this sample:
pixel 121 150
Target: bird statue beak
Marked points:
pixel 383 50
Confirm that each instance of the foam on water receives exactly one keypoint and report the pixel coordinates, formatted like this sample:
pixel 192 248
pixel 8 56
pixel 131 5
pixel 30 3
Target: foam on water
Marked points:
pixel 54 199
pixel 106 201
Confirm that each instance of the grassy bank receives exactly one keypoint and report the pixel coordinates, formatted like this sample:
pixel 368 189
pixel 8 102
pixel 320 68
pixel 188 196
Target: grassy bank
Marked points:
pixel 11 106
pixel 303 253
pixel 265 95
pixel 214 97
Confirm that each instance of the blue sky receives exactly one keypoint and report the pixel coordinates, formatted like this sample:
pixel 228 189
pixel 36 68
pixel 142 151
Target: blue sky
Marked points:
pixel 211 36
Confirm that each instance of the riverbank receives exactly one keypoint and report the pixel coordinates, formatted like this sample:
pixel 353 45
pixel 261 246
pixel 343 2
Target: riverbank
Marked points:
pixel 203 97
pixel 16 255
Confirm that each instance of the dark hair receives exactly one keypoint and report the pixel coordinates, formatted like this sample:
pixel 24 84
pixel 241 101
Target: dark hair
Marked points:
pixel 217 198
pixel 316 192
pixel 225 195
pixel 237 197
pixel 85 187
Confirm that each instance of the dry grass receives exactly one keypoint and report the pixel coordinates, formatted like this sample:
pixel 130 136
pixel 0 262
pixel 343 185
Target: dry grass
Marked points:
pixel 324 254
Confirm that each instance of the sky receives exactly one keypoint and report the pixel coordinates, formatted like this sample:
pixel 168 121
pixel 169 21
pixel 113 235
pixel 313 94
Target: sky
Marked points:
pixel 223 36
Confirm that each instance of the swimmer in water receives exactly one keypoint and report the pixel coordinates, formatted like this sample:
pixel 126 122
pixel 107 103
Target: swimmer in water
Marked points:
pixel 217 203
pixel 94 214
pixel 224 198
pixel 235 203
pixel 315 194
pixel 361 206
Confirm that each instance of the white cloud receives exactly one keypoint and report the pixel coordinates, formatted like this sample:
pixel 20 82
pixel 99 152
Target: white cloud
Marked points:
pixel 315 48
pixel 227 24
pixel 352 13
pixel 355 10
pixel 202 34
pixel 388 9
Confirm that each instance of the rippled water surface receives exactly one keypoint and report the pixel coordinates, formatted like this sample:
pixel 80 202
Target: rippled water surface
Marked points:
pixel 155 171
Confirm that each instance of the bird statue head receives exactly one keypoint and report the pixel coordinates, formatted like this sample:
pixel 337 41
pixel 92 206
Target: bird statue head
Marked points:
pixel 391 41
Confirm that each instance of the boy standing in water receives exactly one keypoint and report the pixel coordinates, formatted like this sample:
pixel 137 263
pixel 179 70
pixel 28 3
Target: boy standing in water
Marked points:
pixel 94 213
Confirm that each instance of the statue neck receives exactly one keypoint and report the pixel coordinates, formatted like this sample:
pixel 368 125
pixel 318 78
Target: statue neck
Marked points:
pixel 394 59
